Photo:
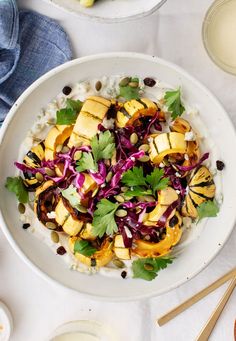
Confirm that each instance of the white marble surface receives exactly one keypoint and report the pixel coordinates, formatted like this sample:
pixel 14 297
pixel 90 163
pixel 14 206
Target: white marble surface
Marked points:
pixel 38 307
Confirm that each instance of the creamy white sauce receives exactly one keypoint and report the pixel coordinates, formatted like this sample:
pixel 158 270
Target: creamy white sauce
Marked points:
pixel 110 89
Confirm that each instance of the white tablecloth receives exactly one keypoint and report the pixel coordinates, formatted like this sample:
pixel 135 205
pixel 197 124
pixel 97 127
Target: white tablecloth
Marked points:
pixel 174 33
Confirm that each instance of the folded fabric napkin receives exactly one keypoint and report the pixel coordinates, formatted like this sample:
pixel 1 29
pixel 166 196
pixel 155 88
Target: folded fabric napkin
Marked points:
pixel 30 45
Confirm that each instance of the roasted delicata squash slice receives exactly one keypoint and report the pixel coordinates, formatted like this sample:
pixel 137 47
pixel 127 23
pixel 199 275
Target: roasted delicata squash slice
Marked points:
pixel 193 151
pixel 87 232
pixel 62 213
pixel 120 250
pixel 58 135
pixel 134 109
pixel 33 159
pixel 72 226
pixel 201 188
pixel 172 237
pixel 46 199
pixel 100 258
pixel 91 115
pixel 165 198
pixel 89 185
pixel 166 144
pixel 68 218
pixel 179 125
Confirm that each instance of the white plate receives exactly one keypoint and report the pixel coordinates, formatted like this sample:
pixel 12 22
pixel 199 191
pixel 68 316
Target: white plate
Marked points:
pixel 111 10
pixel 37 255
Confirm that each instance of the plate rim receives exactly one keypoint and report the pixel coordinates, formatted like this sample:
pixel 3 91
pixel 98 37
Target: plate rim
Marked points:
pixel 13 111
pixel 106 19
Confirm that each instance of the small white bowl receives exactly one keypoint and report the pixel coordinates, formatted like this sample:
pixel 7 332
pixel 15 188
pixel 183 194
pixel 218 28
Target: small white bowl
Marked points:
pixel 197 255
pixel 111 11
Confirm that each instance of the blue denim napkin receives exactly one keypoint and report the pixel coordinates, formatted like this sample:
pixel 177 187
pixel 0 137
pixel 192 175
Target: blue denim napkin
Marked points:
pixel 30 45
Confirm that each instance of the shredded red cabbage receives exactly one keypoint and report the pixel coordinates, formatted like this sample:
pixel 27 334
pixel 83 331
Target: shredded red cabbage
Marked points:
pixel 100 176
pixel 129 163
pixel 24 168
pixel 163 220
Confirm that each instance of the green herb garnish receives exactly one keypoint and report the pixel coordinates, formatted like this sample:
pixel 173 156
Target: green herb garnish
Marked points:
pixel 207 209
pixel 86 162
pixel 173 103
pixel 16 185
pixel 69 114
pixel 72 196
pixel 138 191
pixel 128 92
pixel 134 177
pixel 157 181
pixel 103 218
pixel 103 147
pixel 84 248
pixel 147 268
pixel 141 185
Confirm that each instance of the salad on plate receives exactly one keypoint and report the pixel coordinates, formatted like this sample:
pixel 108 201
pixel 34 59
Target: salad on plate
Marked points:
pixel 112 174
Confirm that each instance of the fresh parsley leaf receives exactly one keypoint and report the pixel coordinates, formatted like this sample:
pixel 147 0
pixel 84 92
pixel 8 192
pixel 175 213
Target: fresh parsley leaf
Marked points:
pixel 157 181
pixel 129 92
pixel 103 146
pixel 147 268
pixel 86 162
pixel 140 184
pixel 66 116
pixel 16 185
pixel 84 248
pixel 69 114
pixel 72 196
pixel 134 177
pixel 173 102
pixel 207 209
pixel 103 218
pixel 74 105
pixel 137 191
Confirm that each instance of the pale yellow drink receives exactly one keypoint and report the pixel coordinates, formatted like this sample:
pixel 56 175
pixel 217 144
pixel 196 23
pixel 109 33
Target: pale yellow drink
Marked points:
pixel 219 34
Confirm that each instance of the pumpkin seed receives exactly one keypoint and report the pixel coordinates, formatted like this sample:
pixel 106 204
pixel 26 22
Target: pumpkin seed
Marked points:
pixel 50 225
pixel 148 267
pixel 125 81
pixel 39 176
pixel 118 263
pixel 133 84
pixel 36 139
pixel 98 85
pixel 82 209
pixel 77 155
pixel 65 149
pixel 124 188
pixel 134 138
pixel 51 123
pixel 54 237
pixel 21 208
pixel 119 198
pixel 121 213
pixel 49 172
pixel 109 176
pixel 147 198
pixel 59 148
pixel 144 147
pixel 144 158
